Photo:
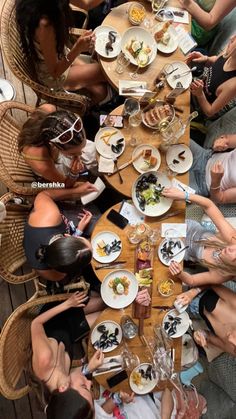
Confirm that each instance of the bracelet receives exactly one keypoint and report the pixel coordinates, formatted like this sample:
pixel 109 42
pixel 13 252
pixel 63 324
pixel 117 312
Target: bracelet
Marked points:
pixel 77 233
pixel 187 197
pixel 86 372
pixel 214 189
pixel 116 399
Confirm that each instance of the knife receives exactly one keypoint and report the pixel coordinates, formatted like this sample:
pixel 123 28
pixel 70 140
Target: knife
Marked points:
pixel 181 250
pixel 117 266
pixel 170 214
pixel 98 370
pixel 123 166
pixel 135 90
pixel 163 307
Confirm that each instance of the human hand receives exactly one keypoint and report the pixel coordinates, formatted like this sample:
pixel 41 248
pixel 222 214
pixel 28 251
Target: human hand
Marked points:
pixel 221 143
pixel 76 166
pixel 185 298
pixel 196 87
pixel 173 193
pixel 200 337
pixel 217 172
pixel 76 300
pixel 143 297
pixel 175 268
pixel 196 57
pixel 85 188
pixel 96 361
pixel 86 41
pixel 85 218
pixel 126 398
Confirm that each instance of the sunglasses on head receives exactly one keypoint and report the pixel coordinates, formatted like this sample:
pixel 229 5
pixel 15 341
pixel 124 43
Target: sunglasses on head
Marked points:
pixel 66 136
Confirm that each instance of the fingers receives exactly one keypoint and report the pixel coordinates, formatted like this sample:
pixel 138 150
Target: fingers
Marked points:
pixel 143 297
pixel 175 268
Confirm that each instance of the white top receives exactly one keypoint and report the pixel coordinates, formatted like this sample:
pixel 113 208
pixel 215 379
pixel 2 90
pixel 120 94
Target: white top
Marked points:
pixel 228 160
pixel 88 157
pixel 142 407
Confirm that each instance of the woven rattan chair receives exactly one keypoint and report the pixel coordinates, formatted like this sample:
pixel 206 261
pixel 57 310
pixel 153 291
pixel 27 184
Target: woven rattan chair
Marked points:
pixel 15 343
pixel 15 173
pixel 22 65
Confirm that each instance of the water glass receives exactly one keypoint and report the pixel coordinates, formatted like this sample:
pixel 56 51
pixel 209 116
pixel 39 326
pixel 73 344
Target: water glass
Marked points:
pixel 129 359
pixel 164 72
pixel 157 4
pixel 122 62
pixel 129 328
pixel 131 106
pixel 154 236
pixel 135 119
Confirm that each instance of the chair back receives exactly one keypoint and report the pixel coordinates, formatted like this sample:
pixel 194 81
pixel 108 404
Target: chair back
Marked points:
pixel 15 344
pixel 22 65
pixel 12 255
pixel 15 173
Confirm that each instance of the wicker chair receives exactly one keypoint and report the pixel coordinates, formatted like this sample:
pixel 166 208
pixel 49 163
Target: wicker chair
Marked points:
pixel 22 65
pixel 14 171
pixel 15 342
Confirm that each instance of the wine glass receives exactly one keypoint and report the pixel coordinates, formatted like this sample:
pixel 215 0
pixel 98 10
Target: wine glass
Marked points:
pixel 154 236
pixel 157 4
pixel 134 75
pixel 134 121
pixel 129 359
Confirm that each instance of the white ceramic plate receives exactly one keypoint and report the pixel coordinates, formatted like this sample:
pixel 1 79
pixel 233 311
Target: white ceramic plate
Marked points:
pixel 114 300
pixel 172 157
pixel 108 237
pixel 182 327
pixel 101 33
pixel 181 68
pixel 141 35
pixel 172 45
pixel 111 327
pixel 140 161
pixel 158 103
pixel 175 250
pixel 8 91
pixel 105 149
pixel 147 385
pixel 160 207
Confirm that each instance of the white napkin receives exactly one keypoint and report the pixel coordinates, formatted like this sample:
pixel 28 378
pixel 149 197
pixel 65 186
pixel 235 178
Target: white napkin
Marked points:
pixel 93 195
pixel 180 19
pixel 131 84
pixel 105 165
pixel 131 213
pixel 108 362
pixel 179 229
pixel 181 186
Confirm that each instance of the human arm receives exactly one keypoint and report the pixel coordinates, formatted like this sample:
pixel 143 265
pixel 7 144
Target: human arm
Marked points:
pixel 85 218
pixel 227 232
pixel 205 337
pixel 109 405
pixel 86 4
pixel 45 36
pixel 196 280
pixel 198 58
pixel 208 19
pixel 227 196
pixel 224 93
pixel 167 404
pixel 224 142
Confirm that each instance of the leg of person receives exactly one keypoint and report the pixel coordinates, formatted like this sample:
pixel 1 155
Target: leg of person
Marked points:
pixel 95 304
pixel 198 169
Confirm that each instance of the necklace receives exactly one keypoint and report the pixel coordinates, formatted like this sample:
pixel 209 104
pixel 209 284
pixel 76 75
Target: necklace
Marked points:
pixel 216 255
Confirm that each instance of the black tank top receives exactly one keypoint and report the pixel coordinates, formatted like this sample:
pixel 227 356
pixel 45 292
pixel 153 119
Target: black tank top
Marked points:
pixel 215 77
pixel 36 236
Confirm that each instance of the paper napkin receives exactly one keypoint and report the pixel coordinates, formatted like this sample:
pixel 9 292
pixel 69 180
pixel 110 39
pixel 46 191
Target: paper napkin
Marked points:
pixel 105 165
pixel 181 186
pixel 177 229
pixel 93 195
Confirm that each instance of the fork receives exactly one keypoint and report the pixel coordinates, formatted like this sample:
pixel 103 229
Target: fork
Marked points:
pixel 178 76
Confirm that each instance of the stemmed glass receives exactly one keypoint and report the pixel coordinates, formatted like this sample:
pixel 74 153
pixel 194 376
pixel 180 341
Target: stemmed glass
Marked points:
pixel 129 359
pixel 134 75
pixel 134 121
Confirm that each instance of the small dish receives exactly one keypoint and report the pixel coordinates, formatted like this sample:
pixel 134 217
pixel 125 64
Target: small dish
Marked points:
pixel 106 336
pixel 171 45
pixel 176 324
pixel 179 158
pixel 113 299
pixel 159 112
pixel 185 80
pixel 143 379
pixel 106 139
pixel 105 238
pixel 166 287
pixel 140 164
pixel 102 38
pixel 136 13
pixel 167 250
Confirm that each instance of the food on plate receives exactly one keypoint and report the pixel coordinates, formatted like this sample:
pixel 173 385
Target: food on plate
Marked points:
pixel 148 191
pixel 161 34
pixel 158 113
pixel 142 377
pixel 139 51
pixel 144 277
pixel 120 285
pixel 106 136
pixel 171 323
pixel 144 259
pixel 107 338
pixel 105 249
pixel 180 157
pixel 166 287
pixel 167 250
pixel 117 147
pixel 111 39
pixel 149 161
pixel 136 14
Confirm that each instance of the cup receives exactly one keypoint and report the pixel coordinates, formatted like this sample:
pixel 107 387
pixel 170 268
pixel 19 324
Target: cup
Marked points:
pixel 179 306
pixel 131 106
pixel 129 328
pixel 121 63
pixel 157 5
pixel 164 72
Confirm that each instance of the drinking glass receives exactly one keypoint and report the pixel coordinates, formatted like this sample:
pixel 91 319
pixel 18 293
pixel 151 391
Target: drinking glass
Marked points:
pixel 154 236
pixel 122 62
pixel 134 121
pixel 157 4
pixel 129 359
pixel 134 75
pixel 129 328
pixel 131 106
pixel 164 72
pixel 171 132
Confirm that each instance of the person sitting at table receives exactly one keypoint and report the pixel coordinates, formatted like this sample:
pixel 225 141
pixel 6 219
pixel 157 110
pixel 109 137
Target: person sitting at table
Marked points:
pixel 54 145
pixel 217 306
pixel 215 252
pixel 206 15
pixel 216 91
pixel 44 30
pixel 212 172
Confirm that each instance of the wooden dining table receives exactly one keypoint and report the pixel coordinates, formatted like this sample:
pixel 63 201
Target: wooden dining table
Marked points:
pixel 160 273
